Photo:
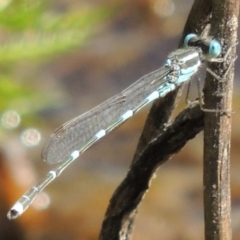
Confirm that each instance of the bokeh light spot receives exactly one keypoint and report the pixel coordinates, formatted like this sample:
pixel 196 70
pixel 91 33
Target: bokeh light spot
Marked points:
pixel 164 8
pixel 42 201
pixel 31 137
pixel 10 119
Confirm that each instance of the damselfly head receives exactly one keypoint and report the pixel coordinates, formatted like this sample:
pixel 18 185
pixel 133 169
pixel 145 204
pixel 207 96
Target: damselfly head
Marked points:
pixel 211 48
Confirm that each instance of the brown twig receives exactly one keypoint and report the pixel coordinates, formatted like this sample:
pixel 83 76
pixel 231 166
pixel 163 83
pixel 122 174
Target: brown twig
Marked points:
pixel 217 132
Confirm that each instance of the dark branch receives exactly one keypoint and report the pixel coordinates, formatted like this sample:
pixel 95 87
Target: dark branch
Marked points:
pixel 129 194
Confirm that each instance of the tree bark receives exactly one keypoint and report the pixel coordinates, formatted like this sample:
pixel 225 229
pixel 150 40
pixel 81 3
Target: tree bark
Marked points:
pixel 217 131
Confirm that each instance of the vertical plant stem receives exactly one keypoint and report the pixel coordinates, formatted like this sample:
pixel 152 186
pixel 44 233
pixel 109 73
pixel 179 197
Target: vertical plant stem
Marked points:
pixel 217 132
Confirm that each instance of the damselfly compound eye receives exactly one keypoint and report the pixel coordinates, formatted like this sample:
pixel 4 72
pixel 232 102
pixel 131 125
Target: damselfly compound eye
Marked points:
pixel 188 37
pixel 214 49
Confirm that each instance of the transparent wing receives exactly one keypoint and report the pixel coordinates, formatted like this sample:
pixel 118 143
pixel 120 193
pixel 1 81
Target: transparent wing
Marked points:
pixel 76 132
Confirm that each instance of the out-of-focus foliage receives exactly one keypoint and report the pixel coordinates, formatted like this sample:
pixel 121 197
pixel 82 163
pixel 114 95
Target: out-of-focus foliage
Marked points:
pixel 30 29
pixel 31 33
pixel 24 98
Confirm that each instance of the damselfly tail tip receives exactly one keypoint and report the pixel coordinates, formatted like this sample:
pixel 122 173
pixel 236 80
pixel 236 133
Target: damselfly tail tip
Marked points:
pixel 15 211
pixel 12 214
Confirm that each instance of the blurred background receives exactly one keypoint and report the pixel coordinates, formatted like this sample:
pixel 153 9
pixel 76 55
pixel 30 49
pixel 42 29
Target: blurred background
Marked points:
pixel 60 58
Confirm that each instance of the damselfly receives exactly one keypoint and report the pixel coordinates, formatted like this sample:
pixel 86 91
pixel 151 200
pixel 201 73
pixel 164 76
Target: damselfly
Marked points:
pixel 76 136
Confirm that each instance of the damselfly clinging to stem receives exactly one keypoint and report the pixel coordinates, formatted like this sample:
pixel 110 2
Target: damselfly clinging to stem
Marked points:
pixel 76 136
